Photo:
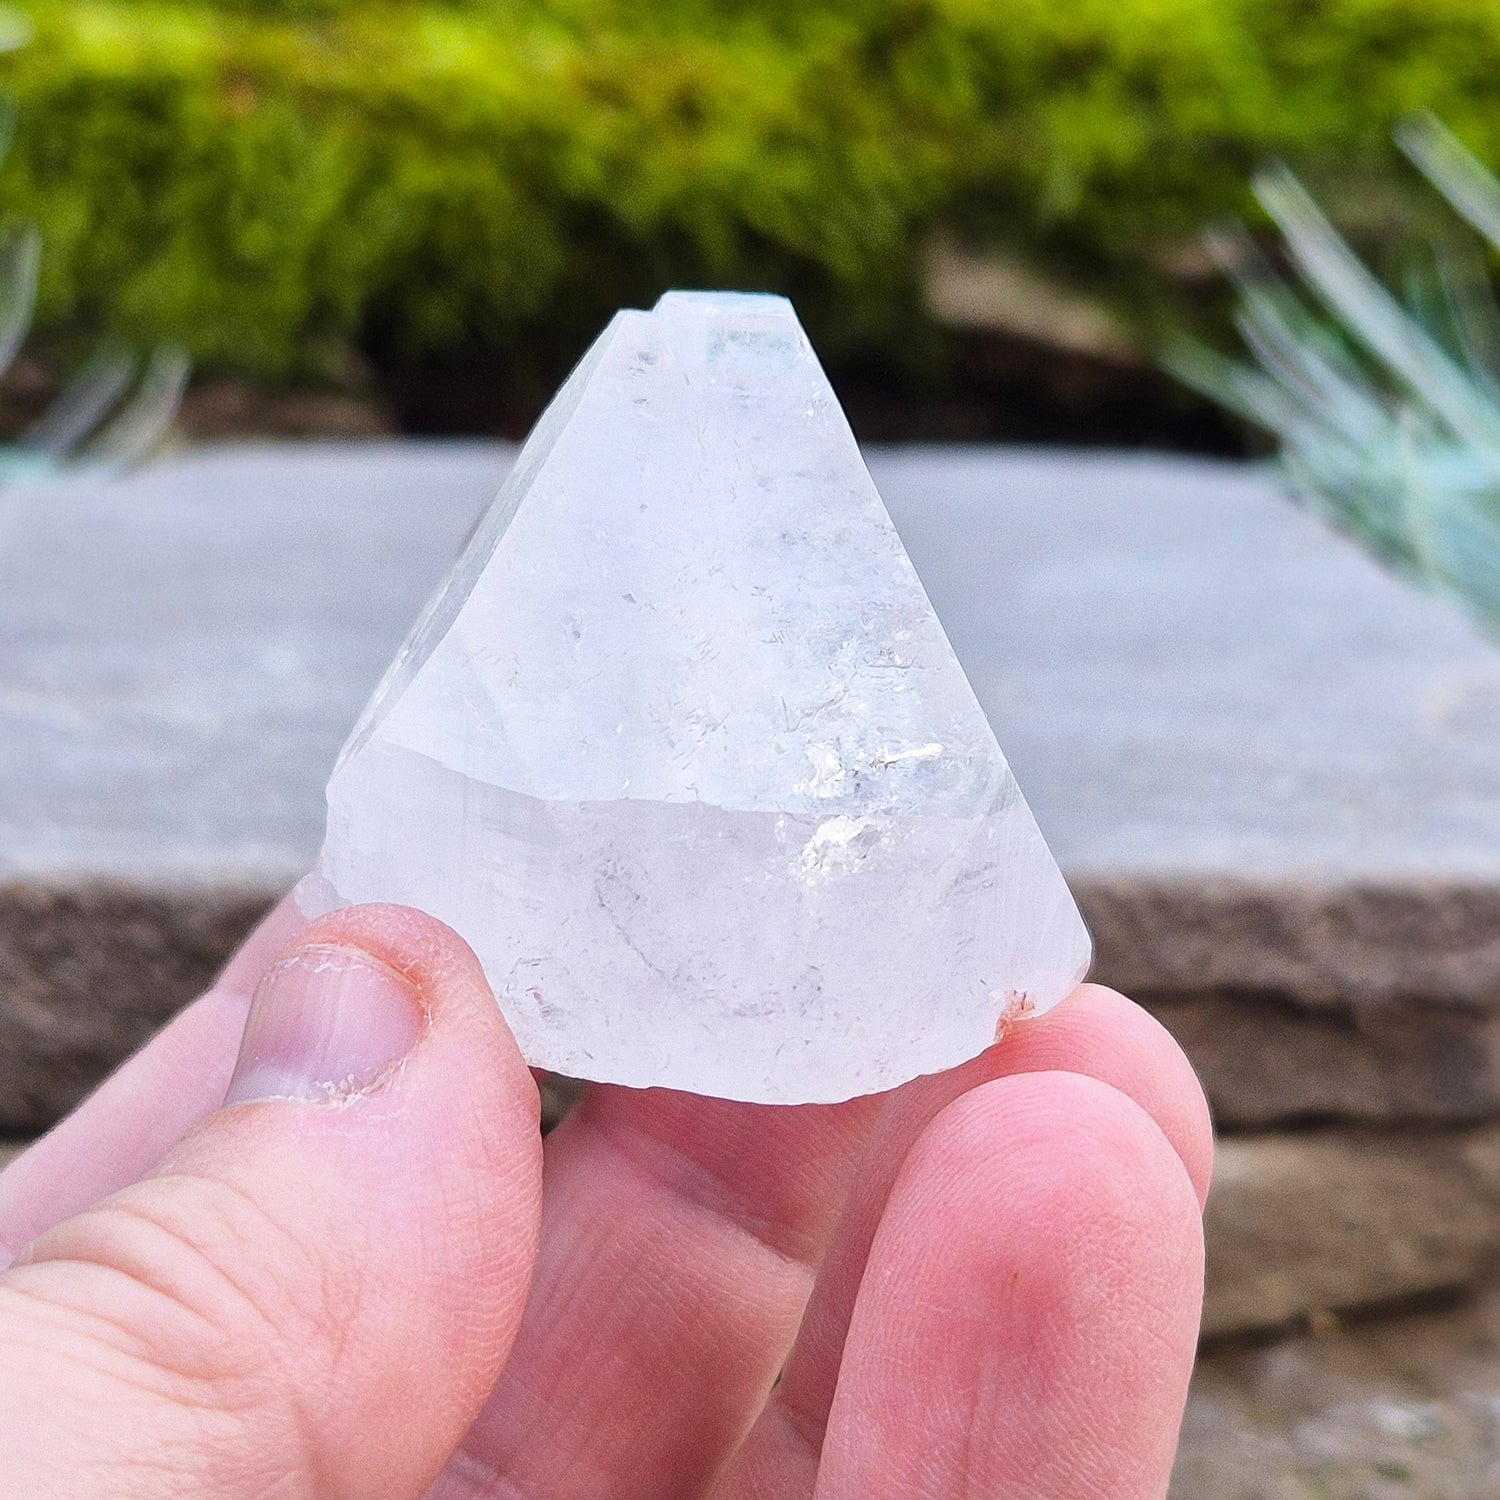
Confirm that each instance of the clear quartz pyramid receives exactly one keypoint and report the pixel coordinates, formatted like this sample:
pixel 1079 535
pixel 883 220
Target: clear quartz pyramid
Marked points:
pixel 682 751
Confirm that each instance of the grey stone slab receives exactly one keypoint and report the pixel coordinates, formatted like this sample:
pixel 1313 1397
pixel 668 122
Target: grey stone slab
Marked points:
pixel 1267 767
pixel 1263 762
pixel 1193 680
pixel 188 647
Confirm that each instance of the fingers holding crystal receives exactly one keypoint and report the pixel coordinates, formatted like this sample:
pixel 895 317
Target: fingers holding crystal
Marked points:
pixel 680 1236
pixel 1097 1033
pixel 314 1291
pixel 1027 1319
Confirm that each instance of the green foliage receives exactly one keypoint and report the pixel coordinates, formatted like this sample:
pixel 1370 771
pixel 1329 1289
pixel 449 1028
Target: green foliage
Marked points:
pixel 1388 411
pixel 98 421
pixel 269 181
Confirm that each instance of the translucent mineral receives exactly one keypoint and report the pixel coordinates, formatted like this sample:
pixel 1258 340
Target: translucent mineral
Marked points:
pixel 682 751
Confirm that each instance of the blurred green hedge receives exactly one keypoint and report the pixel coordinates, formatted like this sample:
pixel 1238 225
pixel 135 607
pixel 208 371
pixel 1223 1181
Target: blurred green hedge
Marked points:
pixel 272 182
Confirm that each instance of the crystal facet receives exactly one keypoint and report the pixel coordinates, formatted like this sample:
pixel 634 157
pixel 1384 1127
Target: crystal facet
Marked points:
pixel 682 751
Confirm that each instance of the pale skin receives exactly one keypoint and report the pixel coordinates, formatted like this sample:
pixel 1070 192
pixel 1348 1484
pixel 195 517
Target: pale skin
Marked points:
pixel 382 1283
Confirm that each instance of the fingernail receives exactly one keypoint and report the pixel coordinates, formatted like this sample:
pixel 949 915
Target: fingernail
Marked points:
pixel 326 1023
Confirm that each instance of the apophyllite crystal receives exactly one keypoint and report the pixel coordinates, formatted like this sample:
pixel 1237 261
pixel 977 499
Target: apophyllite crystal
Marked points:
pixel 681 749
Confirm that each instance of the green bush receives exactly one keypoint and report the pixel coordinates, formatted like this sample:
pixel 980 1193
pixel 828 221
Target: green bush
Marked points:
pixel 268 183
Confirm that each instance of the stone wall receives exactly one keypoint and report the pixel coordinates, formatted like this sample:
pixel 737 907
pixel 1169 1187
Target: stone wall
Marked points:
pixel 1272 773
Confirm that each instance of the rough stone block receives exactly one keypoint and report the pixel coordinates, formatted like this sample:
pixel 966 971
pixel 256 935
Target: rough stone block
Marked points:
pixel 1269 1059
pixel 88 973
pixel 1413 939
pixel 1320 1222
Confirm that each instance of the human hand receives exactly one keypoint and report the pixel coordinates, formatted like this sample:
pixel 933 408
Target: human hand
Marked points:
pixel 365 1277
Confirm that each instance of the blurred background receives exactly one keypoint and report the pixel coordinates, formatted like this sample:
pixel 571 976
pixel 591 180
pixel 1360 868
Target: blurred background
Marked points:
pixel 412 217
pixel 1171 331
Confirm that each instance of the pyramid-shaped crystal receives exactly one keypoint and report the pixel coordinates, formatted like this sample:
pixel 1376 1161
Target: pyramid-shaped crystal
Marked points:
pixel 681 749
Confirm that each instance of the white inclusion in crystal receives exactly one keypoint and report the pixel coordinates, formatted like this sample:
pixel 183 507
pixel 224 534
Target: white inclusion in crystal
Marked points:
pixel 681 749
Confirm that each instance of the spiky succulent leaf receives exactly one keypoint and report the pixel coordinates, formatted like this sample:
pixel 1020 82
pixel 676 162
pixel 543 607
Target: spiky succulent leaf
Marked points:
pixel 106 417
pixel 1387 408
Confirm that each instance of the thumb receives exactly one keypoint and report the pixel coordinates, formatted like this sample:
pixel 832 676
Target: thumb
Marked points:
pixel 315 1292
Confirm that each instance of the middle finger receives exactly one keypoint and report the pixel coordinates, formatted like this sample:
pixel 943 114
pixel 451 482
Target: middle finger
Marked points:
pixel 1095 1032
pixel 680 1236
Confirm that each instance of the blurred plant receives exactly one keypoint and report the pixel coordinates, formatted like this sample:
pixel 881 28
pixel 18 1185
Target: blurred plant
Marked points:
pixel 1387 408
pixel 277 183
pixel 98 421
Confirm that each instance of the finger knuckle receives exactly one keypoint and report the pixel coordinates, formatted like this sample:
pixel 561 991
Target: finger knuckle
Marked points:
pixel 199 1281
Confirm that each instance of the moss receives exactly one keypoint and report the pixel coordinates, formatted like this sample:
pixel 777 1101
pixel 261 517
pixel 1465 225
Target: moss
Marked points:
pixel 272 181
